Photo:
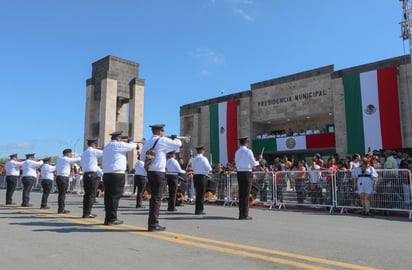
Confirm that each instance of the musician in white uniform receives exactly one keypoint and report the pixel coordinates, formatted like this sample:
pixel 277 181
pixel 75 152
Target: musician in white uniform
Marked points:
pixel 114 177
pixel 201 168
pixel 156 174
pixel 47 177
pixel 245 162
pixel 12 175
pixel 172 177
pixel 140 180
pixel 29 177
pixel 90 180
pixel 63 168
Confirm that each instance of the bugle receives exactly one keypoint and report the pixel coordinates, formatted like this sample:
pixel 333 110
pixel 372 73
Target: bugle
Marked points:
pixel 184 138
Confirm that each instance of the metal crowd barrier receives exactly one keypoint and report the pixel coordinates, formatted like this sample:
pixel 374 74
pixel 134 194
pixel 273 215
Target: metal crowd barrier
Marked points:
pixel 392 191
pixel 304 188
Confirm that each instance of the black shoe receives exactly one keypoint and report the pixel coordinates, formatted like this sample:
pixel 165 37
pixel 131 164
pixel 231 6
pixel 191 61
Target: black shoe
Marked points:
pixel 89 216
pixel 44 207
pixel 10 203
pixel 63 212
pixel 114 222
pixel 200 213
pixel 245 218
pixel 26 205
pixel 156 228
pixel 172 210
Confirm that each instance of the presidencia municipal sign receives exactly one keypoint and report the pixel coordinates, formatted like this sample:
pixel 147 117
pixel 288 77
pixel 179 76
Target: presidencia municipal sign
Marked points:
pixel 293 99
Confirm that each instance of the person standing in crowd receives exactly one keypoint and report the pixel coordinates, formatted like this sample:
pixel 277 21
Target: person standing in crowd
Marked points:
pixel 364 180
pixel 29 177
pixel 201 168
pixel 114 177
pixel 140 180
pixel 12 175
pixel 280 179
pixel 46 176
pixel 63 167
pixel 156 174
pixel 89 166
pixel 245 162
pixel 287 166
pixel 354 163
pixel 300 179
pixel 172 176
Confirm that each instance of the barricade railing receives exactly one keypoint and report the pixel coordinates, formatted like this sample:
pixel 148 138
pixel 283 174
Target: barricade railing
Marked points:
pixel 3 183
pixel 391 192
pixel 262 191
pixel 304 188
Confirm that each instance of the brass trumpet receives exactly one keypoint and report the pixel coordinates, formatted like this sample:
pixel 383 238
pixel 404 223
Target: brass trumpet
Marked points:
pixel 184 138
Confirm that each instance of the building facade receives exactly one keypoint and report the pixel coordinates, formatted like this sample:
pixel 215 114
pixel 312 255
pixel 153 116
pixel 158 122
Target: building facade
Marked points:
pixel 354 110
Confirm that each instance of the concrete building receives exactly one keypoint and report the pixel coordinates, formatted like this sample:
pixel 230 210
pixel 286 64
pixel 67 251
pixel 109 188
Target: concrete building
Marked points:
pixel 348 111
pixel 114 101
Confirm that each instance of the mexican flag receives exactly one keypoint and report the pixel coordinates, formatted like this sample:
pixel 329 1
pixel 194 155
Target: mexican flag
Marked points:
pixel 223 131
pixel 372 110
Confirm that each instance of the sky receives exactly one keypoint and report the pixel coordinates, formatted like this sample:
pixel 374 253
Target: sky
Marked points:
pixel 188 51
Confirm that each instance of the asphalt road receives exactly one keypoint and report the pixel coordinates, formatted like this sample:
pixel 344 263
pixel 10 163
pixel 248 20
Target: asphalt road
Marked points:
pixel 32 238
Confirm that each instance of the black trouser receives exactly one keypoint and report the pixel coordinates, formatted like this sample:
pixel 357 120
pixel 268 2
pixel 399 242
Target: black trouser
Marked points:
pixel 27 182
pixel 172 181
pixel 11 181
pixel 90 189
pixel 113 190
pixel 244 180
pixel 46 184
pixel 156 181
pixel 62 183
pixel 139 185
pixel 200 182
pixel 300 189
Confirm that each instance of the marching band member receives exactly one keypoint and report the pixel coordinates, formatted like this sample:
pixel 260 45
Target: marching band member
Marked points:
pixel 140 180
pixel 114 177
pixel 29 177
pixel 89 166
pixel 12 175
pixel 201 168
pixel 46 176
pixel 63 165
pixel 245 161
pixel 172 177
pixel 156 174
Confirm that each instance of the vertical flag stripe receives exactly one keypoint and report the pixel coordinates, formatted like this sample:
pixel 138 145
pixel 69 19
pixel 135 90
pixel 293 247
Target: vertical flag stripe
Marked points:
pixel 370 109
pixel 214 133
pixel 353 114
pixel 232 135
pixel 324 140
pixel 389 108
pixel 222 133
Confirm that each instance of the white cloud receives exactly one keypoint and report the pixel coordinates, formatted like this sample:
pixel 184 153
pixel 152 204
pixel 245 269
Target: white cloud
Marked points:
pixel 16 146
pixel 205 73
pixel 243 14
pixel 208 57
pixel 240 2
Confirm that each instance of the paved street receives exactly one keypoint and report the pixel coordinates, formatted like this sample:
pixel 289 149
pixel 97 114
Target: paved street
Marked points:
pixel 34 239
